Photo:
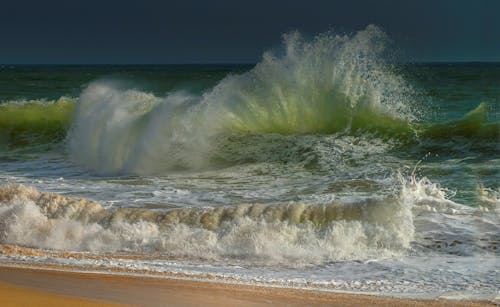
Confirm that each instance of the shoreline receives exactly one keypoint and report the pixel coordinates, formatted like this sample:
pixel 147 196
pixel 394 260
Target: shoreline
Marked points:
pixel 108 289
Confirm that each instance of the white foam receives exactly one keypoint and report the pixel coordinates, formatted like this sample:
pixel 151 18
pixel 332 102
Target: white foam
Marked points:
pixel 291 234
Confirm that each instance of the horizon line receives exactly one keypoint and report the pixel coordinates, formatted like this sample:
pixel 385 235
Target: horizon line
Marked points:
pixel 227 63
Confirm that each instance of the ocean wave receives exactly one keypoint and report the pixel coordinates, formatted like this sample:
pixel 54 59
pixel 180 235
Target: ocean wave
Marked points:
pixel 418 217
pixel 332 84
pixel 290 234
pixel 474 124
pixel 31 122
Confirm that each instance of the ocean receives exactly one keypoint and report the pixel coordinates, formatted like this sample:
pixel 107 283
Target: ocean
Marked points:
pixel 326 165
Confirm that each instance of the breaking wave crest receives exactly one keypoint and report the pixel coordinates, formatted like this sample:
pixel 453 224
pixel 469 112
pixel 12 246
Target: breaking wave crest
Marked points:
pixel 332 84
pixel 292 233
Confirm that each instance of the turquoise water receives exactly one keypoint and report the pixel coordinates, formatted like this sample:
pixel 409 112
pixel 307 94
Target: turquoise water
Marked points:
pixel 329 164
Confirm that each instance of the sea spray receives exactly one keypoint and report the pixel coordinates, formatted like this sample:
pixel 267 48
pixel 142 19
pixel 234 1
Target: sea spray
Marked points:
pixel 328 85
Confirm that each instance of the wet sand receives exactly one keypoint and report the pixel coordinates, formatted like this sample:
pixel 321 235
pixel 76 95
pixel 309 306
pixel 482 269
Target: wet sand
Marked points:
pixel 21 296
pixel 28 287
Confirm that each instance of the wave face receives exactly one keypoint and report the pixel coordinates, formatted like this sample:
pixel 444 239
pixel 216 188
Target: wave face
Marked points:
pixel 31 122
pixel 291 234
pixel 328 85
pixel 474 124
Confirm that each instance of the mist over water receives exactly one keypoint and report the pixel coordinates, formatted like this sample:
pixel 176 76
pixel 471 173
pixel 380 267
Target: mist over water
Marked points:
pixel 327 163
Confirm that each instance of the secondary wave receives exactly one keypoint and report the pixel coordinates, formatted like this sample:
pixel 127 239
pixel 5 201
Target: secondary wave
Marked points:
pixel 292 233
pixel 473 124
pixel 419 217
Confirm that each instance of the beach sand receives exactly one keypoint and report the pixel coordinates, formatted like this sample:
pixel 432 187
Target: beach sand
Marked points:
pixel 48 287
pixel 11 295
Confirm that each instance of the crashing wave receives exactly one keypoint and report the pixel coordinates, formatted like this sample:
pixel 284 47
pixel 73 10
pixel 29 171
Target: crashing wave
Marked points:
pixel 292 233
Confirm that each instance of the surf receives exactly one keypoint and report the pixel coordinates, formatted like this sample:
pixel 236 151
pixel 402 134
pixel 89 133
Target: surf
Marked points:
pixel 299 234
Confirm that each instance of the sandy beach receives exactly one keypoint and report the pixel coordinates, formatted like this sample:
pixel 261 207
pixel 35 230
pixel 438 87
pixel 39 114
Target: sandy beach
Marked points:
pixel 39 286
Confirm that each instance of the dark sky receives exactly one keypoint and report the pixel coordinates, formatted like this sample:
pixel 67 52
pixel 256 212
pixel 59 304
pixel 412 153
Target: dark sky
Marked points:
pixel 189 31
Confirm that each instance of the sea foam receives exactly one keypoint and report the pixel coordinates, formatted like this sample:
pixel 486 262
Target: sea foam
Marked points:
pixel 291 234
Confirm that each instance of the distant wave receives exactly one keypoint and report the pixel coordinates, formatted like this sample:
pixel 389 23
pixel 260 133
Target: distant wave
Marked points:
pixel 473 125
